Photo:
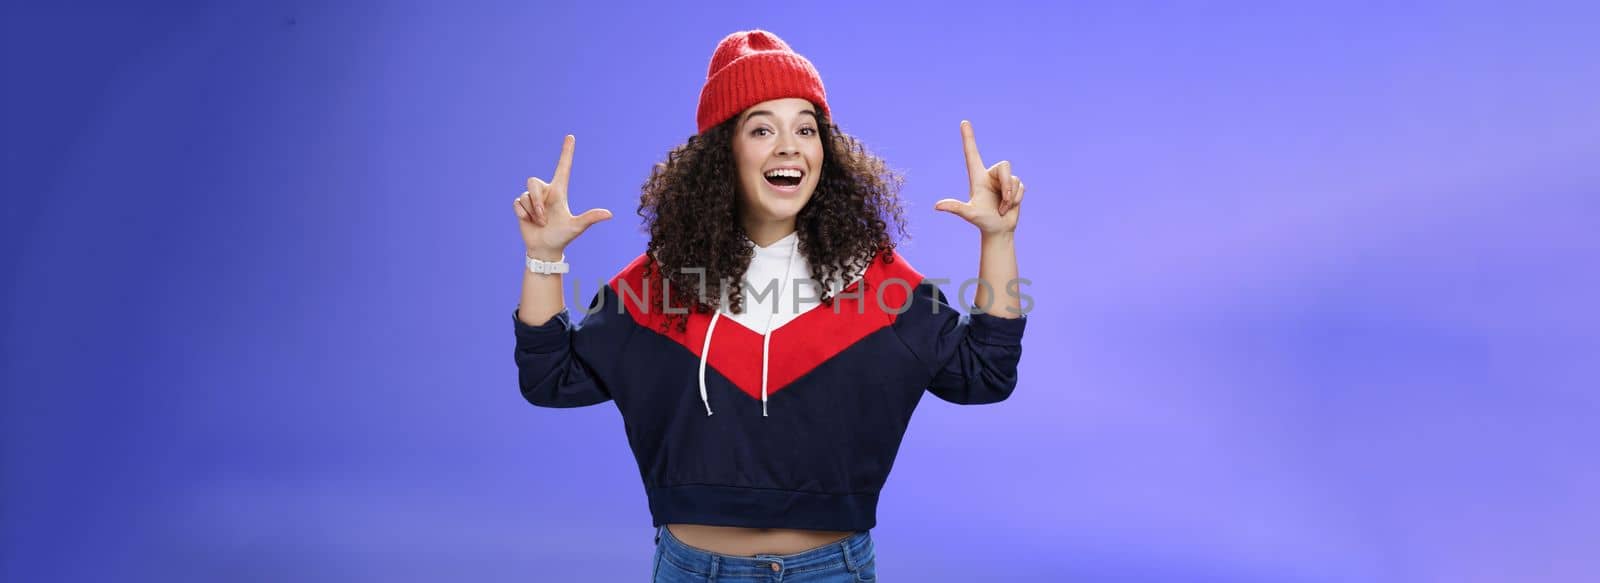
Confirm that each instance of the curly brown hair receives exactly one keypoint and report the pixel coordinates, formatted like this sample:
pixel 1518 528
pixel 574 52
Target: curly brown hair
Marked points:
pixel 690 206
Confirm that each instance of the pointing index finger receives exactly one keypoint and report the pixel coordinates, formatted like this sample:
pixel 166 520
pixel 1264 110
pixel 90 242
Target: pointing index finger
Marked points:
pixel 564 165
pixel 975 167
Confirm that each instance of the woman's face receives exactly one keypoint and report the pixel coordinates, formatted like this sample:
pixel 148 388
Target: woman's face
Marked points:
pixel 777 146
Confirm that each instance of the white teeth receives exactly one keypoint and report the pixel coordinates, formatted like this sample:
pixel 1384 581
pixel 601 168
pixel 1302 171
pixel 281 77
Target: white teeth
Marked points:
pixel 790 172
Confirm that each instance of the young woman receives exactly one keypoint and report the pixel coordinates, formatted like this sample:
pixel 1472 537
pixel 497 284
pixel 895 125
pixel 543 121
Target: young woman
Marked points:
pixel 767 349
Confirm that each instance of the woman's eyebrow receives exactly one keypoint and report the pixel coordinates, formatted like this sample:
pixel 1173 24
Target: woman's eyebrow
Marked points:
pixel 813 114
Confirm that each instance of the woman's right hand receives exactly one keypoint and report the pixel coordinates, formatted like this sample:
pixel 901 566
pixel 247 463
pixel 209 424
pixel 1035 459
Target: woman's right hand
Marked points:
pixel 548 225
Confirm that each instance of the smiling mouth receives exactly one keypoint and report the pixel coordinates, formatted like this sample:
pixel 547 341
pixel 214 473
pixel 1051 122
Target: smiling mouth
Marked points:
pixel 783 181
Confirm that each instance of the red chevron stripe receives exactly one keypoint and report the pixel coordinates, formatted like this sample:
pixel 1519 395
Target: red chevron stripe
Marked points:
pixel 797 347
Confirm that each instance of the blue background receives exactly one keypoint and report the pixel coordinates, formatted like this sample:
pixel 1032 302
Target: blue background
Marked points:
pixel 1315 285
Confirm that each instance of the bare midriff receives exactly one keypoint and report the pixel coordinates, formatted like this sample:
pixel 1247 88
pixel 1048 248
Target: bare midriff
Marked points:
pixel 747 542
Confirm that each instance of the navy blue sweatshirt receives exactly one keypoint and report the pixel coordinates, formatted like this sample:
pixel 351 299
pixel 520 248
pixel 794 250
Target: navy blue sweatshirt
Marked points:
pixel 790 417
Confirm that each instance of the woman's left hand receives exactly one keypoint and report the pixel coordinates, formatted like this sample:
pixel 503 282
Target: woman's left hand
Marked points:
pixel 995 198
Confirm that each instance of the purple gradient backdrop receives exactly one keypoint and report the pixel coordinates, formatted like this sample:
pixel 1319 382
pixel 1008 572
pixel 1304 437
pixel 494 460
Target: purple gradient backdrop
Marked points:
pixel 1315 285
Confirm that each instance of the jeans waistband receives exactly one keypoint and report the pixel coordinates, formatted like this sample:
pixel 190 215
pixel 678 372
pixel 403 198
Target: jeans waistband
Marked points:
pixel 851 551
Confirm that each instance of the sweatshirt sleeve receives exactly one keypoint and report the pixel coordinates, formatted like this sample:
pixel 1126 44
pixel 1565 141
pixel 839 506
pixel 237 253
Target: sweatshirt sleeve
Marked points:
pixel 561 364
pixel 970 358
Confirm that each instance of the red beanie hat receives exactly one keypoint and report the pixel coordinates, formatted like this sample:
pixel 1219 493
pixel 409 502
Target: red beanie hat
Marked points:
pixel 752 66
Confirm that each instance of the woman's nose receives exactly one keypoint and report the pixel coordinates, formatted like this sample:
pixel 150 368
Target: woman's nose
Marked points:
pixel 788 145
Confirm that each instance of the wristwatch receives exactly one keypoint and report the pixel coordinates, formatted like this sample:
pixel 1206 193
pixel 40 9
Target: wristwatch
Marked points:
pixel 548 267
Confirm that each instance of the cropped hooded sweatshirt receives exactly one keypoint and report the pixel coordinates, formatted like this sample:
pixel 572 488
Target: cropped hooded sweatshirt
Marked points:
pixel 787 415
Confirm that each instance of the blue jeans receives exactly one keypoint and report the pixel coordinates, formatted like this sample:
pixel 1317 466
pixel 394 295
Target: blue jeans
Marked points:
pixel 848 561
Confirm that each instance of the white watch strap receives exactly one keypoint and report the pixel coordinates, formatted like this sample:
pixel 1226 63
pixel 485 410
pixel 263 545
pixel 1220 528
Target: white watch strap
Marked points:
pixel 548 267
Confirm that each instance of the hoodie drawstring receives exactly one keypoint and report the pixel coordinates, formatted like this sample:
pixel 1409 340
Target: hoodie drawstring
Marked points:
pixel 766 338
pixel 705 352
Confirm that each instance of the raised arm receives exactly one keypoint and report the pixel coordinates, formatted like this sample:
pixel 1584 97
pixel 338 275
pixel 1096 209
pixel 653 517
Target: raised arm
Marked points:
pixel 548 226
pixel 559 364
pixel 993 205
pixel 973 357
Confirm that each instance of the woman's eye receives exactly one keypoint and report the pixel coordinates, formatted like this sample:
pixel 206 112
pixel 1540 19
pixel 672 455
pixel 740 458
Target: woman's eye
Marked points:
pixel 803 131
